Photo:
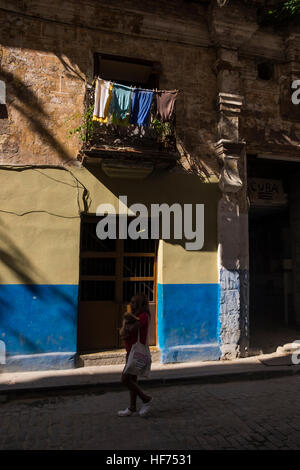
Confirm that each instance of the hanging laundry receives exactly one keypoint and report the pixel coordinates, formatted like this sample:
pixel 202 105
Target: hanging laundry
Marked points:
pixel 140 108
pixel 103 95
pixel 165 101
pixel 120 103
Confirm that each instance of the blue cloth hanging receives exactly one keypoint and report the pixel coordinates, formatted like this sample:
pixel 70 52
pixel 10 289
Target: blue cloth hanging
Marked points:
pixel 140 107
pixel 120 102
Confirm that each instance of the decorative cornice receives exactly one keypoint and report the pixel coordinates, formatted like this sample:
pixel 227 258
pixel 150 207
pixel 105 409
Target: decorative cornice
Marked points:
pixel 226 148
pixel 228 154
pixel 230 103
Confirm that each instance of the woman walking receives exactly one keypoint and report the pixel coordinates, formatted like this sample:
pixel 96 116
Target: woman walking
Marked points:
pixel 136 323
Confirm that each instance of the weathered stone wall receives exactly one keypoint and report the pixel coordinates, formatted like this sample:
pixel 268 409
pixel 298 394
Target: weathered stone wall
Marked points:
pixel 46 64
pixel 269 117
pixel 42 98
pixel 47 59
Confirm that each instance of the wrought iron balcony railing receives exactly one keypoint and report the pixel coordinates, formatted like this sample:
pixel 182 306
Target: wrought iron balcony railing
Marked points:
pixel 157 141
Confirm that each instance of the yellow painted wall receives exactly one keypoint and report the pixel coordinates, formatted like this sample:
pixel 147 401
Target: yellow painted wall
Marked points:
pixel 175 264
pixel 40 248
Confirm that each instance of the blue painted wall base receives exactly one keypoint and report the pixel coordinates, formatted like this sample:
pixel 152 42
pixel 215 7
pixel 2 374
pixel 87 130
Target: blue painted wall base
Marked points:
pixel 38 326
pixel 188 322
pixel 35 362
pixel 209 352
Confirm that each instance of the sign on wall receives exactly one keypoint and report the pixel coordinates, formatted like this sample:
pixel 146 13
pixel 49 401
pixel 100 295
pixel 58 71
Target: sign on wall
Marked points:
pixel 266 192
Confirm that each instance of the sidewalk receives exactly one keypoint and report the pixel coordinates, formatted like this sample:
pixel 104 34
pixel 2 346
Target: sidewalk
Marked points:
pixel 108 377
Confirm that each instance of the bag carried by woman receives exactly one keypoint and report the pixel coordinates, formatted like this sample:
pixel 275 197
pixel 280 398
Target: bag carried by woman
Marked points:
pixel 139 359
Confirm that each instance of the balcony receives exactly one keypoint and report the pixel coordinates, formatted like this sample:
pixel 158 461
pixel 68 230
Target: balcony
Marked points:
pixel 129 151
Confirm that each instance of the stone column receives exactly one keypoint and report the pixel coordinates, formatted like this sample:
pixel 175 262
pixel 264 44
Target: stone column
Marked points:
pixel 233 252
pixel 231 27
pixel 232 222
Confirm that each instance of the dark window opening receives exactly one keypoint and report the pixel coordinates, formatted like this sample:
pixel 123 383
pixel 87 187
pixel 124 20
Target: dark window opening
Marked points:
pixel 265 71
pixel 127 71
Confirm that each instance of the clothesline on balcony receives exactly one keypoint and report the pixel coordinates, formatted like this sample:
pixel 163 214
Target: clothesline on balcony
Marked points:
pixel 123 105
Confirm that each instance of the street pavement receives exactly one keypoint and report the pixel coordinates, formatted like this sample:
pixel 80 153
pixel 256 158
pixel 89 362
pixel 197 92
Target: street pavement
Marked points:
pixel 261 414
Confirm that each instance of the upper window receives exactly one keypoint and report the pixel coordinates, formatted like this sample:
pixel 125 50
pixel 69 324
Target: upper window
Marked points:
pixel 140 117
pixel 127 71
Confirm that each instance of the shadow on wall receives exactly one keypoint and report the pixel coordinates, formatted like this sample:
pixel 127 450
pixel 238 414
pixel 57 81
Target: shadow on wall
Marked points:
pixel 34 318
pixel 69 68
pixel 24 100
pixel 79 67
pixel 162 187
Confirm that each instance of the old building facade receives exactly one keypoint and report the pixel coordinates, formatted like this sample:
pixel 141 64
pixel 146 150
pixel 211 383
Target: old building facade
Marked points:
pixel 63 291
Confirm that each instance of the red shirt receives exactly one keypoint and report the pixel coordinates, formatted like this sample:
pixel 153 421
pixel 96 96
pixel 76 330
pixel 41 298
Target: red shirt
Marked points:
pixel 143 321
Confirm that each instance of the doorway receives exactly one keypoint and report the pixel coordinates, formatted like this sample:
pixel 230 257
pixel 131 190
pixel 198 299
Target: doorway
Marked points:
pixel 272 318
pixel 271 300
pixel 111 272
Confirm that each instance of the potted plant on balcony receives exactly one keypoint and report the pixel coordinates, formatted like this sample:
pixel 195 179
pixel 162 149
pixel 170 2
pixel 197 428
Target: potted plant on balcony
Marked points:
pixel 163 132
